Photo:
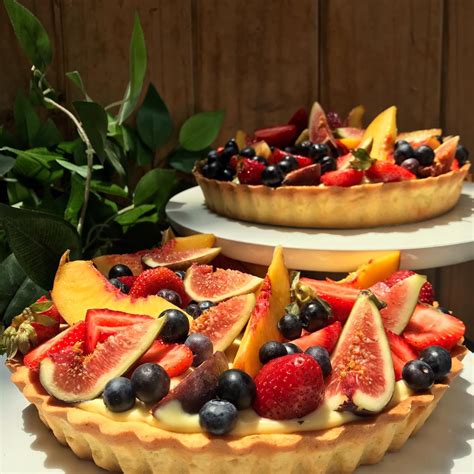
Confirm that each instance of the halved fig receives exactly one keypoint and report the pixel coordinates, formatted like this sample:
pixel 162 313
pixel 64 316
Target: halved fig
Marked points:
pixel 362 378
pixel 319 131
pixel 307 176
pixel 73 377
pixel 179 260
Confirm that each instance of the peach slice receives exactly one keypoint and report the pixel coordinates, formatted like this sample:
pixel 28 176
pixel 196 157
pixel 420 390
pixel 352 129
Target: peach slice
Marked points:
pixel 262 149
pixel 421 137
pixel 272 300
pixel 445 153
pixel 383 130
pixel 375 270
pixel 79 286
pixel 241 139
pixel 355 116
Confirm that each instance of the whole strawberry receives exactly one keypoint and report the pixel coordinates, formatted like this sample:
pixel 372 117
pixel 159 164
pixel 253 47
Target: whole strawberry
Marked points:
pixel 343 178
pixel 250 172
pixel 289 387
pixel 426 293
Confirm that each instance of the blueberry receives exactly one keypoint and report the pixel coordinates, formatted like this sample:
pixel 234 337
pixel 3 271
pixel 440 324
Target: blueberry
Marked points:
pixel 271 350
pixel 303 148
pixel 287 164
pixel 201 346
pixel 119 394
pixel 226 154
pixel 171 296
pixel 290 326
pixel 295 150
pixel 401 142
pixel 226 174
pixel 211 170
pixel 328 163
pixel 425 155
pixel 462 154
pixel 218 417
pixel 213 155
pixel 260 159
pixel 120 285
pixel 439 359
pixel 247 152
pixel 292 348
pixel 321 355
pixel 272 176
pixel 315 315
pixel 318 151
pixel 205 305
pixel 150 382
pixel 237 387
pixel 418 375
pixel 439 138
pixel 411 164
pixel 176 326
pixel 232 144
pixel 445 310
pixel 193 310
pixel 403 152
pixel 180 274
pixel 120 270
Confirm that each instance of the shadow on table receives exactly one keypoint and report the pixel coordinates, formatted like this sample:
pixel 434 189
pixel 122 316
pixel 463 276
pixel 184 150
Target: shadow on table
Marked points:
pixel 57 455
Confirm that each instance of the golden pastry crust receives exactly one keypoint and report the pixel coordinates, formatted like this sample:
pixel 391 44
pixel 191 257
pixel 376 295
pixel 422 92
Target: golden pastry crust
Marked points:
pixel 136 447
pixel 362 206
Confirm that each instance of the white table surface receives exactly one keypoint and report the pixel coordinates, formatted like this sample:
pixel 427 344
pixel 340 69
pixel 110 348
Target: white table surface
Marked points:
pixel 443 445
pixel 445 240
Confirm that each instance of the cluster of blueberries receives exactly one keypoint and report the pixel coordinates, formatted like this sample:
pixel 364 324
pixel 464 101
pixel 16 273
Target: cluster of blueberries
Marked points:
pixel 415 160
pixel 218 164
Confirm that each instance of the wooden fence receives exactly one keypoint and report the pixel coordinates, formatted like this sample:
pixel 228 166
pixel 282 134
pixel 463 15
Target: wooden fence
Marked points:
pixel 260 60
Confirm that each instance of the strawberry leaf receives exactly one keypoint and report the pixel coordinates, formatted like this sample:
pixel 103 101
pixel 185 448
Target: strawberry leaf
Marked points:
pixel 362 160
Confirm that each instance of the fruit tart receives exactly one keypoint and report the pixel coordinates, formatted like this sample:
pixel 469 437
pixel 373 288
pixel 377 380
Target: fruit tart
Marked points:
pixel 217 370
pixel 322 172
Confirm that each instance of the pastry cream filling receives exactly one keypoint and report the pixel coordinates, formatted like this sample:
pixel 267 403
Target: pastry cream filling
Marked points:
pixel 171 417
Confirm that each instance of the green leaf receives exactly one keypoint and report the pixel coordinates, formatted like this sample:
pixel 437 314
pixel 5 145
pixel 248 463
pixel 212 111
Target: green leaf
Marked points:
pixel 75 201
pixel 143 155
pixel 6 164
pixel 31 34
pixel 138 65
pixel 48 135
pixel 200 130
pixel 38 241
pixel 18 193
pixel 132 216
pixel 184 160
pixel 80 170
pixel 27 293
pixel 154 122
pixel 76 79
pixel 69 147
pixel 108 188
pixel 27 122
pixel 155 186
pixel 94 120
pixel 113 157
pixel 7 138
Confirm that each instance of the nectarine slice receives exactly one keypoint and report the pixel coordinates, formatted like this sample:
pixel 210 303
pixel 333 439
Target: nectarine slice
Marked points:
pixel 383 130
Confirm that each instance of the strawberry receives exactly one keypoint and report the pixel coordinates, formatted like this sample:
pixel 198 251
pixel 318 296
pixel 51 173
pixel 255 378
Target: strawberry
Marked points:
pixel 326 337
pixel 250 172
pixel 343 177
pixel 299 119
pixel 402 353
pixel 44 332
pixel 385 172
pixel 426 293
pixel 52 312
pixel 174 358
pixel 277 155
pixel 344 161
pixel 64 340
pixel 303 161
pixel 289 387
pixel 430 327
pixel 128 280
pixel 234 161
pixel 279 136
pixel 151 281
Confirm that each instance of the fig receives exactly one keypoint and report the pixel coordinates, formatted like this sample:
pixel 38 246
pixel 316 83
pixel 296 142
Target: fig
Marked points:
pixel 319 131
pixel 179 260
pixel 362 378
pixel 72 376
pixel 445 153
pixel 203 284
pixel 198 387
pixel 224 322
pixel 307 176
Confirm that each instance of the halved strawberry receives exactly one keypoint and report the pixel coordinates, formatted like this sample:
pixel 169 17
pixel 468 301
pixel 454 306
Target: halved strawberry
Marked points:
pixel 326 337
pixel 385 172
pixel 128 280
pixel 303 161
pixel 430 327
pixel 174 358
pixel 276 156
pixel 250 172
pixel 342 177
pixel 402 353
pixel 64 340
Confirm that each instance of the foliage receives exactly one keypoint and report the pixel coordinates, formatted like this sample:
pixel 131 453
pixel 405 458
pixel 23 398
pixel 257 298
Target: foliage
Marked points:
pixel 99 189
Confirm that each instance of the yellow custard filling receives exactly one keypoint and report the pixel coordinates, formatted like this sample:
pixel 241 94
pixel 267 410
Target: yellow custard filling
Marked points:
pixel 172 417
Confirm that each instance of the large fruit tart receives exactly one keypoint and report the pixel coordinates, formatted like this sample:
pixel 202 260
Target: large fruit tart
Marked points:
pixel 217 370
pixel 321 173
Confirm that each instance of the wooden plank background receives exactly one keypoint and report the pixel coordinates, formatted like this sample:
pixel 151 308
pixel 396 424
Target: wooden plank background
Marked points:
pixel 260 61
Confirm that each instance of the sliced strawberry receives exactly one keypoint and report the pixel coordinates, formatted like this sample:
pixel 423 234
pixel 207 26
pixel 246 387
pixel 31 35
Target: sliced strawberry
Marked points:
pixel 343 177
pixel 44 332
pixel 250 172
pixel 427 292
pixel 402 353
pixel 303 161
pixel 326 337
pixel 277 155
pixel 279 136
pixel 174 358
pixel 64 340
pixel 299 119
pixel 430 327
pixel 128 280
pixel 385 172
pixel 234 161
pixel 52 312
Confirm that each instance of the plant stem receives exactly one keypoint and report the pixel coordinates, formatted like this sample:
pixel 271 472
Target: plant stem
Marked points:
pixel 115 104
pixel 90 159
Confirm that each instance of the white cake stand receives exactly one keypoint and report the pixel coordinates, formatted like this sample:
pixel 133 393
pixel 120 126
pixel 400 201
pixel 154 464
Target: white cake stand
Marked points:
pixel 445 240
